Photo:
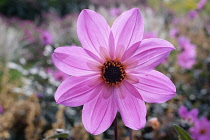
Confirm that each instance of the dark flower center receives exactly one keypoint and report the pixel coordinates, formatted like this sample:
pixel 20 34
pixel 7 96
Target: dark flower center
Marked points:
pixel 202 131
pixel 112 72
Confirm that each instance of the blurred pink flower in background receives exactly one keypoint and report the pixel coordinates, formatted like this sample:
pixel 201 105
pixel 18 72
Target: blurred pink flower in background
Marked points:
pixel 113 71
pixel 59 75
pixel 173 32
pixel 183 41
pixel 201 129
pixel 46 38
pixel 149 35
pixel 201 4
pixel 175 21
pixel 187 58
pixel 185 61
pixel 115 12
pixel 1 109
pixel 190 116
pixel 192 14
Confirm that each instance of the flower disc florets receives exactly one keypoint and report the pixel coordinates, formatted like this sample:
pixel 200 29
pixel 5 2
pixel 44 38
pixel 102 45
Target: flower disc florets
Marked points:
pixel 113 72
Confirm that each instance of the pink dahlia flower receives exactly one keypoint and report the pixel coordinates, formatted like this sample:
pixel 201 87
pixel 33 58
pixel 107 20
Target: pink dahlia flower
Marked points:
pixel 201 129
pixel 113 71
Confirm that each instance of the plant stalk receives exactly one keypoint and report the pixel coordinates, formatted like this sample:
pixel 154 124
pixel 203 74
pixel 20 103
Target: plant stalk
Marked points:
pixel 115 129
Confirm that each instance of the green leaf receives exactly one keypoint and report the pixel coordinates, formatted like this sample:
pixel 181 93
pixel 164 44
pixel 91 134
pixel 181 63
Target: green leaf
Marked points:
pixel 183 135
pixel 63 135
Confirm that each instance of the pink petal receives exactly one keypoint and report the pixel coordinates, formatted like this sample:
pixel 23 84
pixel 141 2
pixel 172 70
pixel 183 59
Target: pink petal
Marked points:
pixel 76 91
pixel 129 87
pixel 150 54
pixel 132 110
pixel 155 87
pixel 128 28
pixel 98 114
pixel 74 61
pixel 130 51
pixel 93 31
pixel 111 46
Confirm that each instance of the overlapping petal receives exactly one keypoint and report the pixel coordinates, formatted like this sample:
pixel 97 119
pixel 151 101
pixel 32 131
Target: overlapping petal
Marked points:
pixel 76 91
pixel 132 110
pixel 93 31
pixel 155 87
pixel 128 28
pixel 98 114
pixel 74 61
pixel 150 53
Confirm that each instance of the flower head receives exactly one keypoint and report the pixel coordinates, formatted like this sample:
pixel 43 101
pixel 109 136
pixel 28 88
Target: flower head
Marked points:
pixel 149 35
pixel 201 4
pixel 1 109
pixel 173 32
pixel 192 14
pixel 113 71
pixel 190 116
pixel 201 129
pixel 59 75
pixel 116 11
pixel 46 38
pixel 187 58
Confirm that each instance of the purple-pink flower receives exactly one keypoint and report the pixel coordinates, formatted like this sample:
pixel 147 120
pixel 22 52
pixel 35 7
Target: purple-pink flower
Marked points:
pixel 46 38
pixel 183 41
pixel 113 71
pixel 187 58
pixel 190 116
pixel 201 129
pixel 192 14
pixel 1 109
pixel 201 4
pixel 173 32
pixel 149 35
pixel 115 11
pixel 59 75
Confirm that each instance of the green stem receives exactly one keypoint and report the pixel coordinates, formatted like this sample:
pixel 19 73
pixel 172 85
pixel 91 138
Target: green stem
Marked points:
pixel 115 129
pixel 131 134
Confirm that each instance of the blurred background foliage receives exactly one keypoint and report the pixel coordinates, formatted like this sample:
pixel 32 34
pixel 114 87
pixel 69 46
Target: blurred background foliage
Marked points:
pixel 32 9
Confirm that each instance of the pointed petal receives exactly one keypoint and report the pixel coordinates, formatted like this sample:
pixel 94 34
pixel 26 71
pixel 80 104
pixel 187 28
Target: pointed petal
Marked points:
pixel 132 110
pixel 93 31
pixel 129 87
pixel 155 87
pixel 150 54
pixel 111 46
pixel 98 114
pixel 131 51
pixel 74 61
pixel 128 28
pixel 76 91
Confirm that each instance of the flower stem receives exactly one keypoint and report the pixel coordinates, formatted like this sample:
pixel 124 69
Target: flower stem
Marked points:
pixel 131 134
pixel 115 129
